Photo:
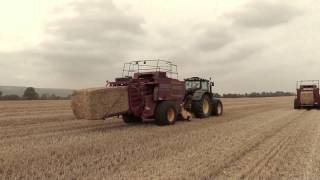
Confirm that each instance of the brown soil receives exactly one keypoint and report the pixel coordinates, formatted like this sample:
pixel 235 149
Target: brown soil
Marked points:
pixel 255 139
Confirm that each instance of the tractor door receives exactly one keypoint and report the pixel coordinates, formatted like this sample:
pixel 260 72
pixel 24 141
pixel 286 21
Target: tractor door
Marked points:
pixel 205 86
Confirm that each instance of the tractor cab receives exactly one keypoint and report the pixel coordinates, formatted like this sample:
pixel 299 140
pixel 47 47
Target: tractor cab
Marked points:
pixel 198 84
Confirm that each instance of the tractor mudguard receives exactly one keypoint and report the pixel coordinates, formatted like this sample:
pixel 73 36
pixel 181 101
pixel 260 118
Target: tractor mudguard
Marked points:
pixel 197 96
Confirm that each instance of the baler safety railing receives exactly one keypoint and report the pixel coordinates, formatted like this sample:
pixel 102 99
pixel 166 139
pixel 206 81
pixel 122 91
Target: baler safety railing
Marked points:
pixel 141 66
pixel 308 83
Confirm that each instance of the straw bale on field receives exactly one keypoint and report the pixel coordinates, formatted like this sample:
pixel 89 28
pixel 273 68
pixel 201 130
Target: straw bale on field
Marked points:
pixel 97 103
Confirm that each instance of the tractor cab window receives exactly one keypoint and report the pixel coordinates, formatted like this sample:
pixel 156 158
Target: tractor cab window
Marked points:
pixel 192 84
pixel 205 85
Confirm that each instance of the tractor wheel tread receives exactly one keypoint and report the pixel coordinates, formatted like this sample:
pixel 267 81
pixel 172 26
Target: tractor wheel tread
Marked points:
pixel 197 107
pixel 217 108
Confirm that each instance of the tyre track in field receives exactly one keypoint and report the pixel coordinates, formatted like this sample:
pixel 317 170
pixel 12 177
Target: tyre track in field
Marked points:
pixel 264 161
pixel 81 127
pixel 23 121
pixel 294 163
pixel 246 149
pixel 164 150
pixel 63 129
pixel 71 126
pixel 200 144
pixel 132 155
pixel 255 139
pixel 292 135
pixel 32 113
pixel 270 150
pixel 312 170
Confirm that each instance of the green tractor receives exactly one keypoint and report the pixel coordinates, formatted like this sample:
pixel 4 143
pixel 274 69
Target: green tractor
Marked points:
pixel 199 98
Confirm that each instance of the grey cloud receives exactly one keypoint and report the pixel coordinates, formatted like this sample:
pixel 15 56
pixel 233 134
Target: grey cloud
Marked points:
pixel 224 64
pixel 17 68
pixel 213 39
pixel 88 45
pixel 240 54
pixel 82 51
pixel 96 20
pixel 263 14
pixel 86 49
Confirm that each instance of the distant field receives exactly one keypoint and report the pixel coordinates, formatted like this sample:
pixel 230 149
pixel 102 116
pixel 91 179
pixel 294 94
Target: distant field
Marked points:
pixel 256 138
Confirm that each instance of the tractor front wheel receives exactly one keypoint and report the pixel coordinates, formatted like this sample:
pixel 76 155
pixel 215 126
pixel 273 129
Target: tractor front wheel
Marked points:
pixel 166 113
pixel 217 108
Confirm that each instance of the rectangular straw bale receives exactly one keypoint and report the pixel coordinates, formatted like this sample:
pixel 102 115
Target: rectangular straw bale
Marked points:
pixel 307 98
pixel 97 103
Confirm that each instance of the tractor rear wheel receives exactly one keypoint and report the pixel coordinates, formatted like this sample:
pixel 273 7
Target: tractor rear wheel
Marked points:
pixel 166 113
pixel 202 108
pixel 130 118
pixel 296 104
pixel 217 108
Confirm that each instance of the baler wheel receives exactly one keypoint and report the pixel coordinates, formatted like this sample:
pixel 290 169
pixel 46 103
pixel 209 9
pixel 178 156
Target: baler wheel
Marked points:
pixel 296 104
pixel 166 113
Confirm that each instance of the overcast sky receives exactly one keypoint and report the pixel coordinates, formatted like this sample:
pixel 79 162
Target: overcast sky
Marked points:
pixel 244 45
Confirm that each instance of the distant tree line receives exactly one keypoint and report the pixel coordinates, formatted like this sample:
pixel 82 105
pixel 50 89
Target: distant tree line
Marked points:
pixel 255 94
pixel 47 96
pixel 31 94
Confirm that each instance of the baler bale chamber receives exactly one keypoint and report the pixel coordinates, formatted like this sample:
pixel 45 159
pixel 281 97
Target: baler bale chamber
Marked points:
pixel 307 94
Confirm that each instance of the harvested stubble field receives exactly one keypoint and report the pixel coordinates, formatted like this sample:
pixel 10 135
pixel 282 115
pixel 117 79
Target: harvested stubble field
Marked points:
pixel 255 139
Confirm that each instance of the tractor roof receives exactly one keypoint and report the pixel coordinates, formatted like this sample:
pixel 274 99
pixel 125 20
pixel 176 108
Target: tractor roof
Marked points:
pixel 196 79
